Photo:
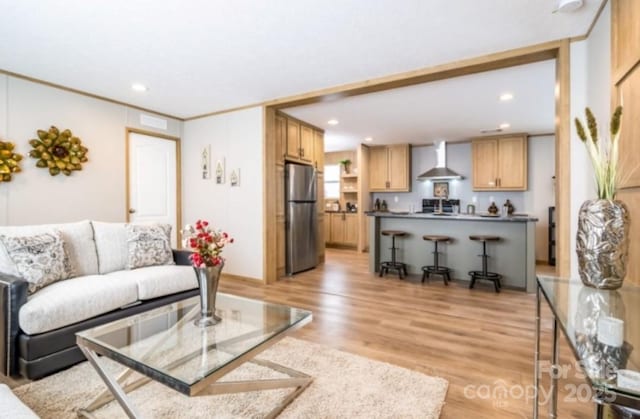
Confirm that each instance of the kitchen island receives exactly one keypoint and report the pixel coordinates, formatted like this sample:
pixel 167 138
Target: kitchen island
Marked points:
pixel 513 256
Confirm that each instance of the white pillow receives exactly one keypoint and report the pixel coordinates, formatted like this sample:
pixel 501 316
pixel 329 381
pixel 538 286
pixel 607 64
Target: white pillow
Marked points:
pixel 78 241
pixel 40 259
pixel 148 245
pixel 111 245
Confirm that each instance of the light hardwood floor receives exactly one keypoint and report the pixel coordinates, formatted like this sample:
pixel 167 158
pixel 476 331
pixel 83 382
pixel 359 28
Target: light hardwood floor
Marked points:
pixel 469 337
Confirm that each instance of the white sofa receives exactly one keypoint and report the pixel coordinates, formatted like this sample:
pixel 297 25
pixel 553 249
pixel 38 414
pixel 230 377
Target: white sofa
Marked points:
pixel 38 331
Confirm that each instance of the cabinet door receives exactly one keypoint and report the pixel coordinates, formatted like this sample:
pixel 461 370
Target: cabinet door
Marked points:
pixel 484 160
pixel 320 238
pixel 378 168
pixel 512 163
pixel 318 150
pixel 327 228
pixel 337 228
pixel 351 229
pixel 293 139
pixel 399 167
pixel 281 138
pixel 306 144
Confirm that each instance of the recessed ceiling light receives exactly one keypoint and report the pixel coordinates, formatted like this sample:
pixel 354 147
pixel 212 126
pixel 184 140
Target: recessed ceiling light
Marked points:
pixel 505 125
pixel 368 139
pixel 333 121
pixel 505 97
pixel 139 87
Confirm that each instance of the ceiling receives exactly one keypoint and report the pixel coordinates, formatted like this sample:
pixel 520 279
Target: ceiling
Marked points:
pixel 453 109
pixel 202 56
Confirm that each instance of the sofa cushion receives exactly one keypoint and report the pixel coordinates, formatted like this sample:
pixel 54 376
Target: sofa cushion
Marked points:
pixel 74 300
pixel 148 245
pixel 12 407
pixel 111 246
pixel 158 281
pixel 41 259
pixel 78 239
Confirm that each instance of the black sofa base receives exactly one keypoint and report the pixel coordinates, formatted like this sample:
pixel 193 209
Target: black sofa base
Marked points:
pixel 47 353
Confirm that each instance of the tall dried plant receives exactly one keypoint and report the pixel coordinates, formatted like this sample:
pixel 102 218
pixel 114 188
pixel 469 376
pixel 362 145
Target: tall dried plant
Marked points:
pixel 603 154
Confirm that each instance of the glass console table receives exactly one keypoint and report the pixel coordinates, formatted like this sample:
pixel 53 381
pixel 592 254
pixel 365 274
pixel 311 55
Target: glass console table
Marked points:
pixel 603 331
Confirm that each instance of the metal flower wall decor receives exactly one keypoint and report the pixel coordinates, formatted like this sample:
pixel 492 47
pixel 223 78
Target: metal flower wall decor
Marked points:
pixel 9 161
pixel 60 152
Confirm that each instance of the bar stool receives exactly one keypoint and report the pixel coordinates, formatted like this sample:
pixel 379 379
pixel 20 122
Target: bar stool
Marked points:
pixel 393 264
pixel 484 273
pixel 436 268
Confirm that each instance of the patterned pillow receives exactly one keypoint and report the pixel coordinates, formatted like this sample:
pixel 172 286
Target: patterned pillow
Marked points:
pixel 41 259
pixel 148 245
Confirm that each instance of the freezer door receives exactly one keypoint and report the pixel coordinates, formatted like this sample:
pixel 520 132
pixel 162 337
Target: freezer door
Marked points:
pixel 301 183
pixel 301 237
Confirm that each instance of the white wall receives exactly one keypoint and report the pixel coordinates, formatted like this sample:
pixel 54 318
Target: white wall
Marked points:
pixel 236 137
pixel 590 86
pixel 534 201
pixel 98 191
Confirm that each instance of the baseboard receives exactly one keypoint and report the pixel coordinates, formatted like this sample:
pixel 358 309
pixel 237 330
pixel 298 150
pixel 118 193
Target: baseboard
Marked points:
pixel 245 279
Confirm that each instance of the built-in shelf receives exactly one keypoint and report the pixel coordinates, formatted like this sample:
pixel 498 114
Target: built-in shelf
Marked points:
pixel 349 175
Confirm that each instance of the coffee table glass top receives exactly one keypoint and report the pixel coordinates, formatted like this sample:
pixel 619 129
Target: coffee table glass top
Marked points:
pixel 603 330
pixel 165 345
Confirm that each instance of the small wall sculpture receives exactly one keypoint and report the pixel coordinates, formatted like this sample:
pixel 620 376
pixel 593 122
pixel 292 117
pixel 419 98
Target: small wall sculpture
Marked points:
pixel 9 161
pixel 60 152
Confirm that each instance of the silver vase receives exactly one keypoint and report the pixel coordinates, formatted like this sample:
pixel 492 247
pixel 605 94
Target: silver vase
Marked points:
pixel 599 360
pixel 208 279
pixel 602 243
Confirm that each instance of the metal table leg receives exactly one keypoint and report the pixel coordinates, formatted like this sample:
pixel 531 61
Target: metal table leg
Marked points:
pixel 536 367
pixel 110 382
pixel 553 408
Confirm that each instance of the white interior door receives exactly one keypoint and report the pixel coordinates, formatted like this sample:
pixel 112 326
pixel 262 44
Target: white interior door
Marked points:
pixel 153 181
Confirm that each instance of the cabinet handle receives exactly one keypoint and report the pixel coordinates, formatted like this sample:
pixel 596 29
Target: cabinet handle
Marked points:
pixel 387 184
pixel 344 217
pixel 302 152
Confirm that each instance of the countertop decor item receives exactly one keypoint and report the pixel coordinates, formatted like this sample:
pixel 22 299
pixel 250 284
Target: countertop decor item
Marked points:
pixel 60 152
pixel 9 161
pixel 346 163
pixel 206 244
pixel 602 241
pixel 493 208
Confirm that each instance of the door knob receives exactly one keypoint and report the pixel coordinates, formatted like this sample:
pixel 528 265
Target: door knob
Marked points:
pixel 131 210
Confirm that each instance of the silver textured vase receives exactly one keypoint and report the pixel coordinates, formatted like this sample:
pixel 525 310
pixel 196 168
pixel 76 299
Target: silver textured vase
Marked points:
pixel 602 243
pixel 208 279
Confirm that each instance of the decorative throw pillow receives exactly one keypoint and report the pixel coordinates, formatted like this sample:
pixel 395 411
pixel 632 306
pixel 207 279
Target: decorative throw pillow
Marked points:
pixel 149 245
pixel 41 259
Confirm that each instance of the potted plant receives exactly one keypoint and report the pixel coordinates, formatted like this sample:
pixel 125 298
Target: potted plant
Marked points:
pixel 602 241
pixel 346 163
pixel 206 245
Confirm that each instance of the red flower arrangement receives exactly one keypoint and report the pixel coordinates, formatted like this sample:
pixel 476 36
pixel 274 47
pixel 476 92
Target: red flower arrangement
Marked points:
pixel 206 244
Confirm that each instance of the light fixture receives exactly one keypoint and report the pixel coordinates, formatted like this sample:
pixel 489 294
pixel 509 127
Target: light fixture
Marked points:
pixel 368 139
pixel 567 6
pixel 139 87
pixel 505 97
pixel 505 125
pixel 333 121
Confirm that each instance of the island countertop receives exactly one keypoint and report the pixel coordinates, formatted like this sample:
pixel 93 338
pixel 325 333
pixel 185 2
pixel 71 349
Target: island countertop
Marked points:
pixel 453 217
pixel 513 256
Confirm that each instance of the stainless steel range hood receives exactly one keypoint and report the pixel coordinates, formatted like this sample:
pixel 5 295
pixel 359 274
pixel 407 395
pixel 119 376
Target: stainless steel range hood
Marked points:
pixel 441 171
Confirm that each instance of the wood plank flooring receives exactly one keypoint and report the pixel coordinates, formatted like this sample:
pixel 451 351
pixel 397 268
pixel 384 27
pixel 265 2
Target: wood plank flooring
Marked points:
pixel 469 337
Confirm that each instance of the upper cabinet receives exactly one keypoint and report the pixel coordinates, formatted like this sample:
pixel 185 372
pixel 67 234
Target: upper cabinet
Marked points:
pixel 390 168
pixel 302 142
pixel 500 163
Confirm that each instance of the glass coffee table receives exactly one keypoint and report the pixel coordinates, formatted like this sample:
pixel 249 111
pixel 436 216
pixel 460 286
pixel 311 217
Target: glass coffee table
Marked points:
pixel 164 345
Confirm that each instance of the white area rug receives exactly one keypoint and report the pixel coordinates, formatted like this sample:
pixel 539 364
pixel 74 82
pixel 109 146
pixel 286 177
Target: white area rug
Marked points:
pixel 344 386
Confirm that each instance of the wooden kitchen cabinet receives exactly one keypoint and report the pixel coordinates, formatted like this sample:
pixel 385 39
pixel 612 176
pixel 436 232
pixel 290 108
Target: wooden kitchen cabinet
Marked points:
pixel 390 168
pixel 281 138
pixel 500 163
pixel 318 150
pixel 342 229
pixel 301 141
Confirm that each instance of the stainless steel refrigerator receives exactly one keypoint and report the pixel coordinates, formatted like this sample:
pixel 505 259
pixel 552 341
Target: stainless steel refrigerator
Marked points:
pixel 302 217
